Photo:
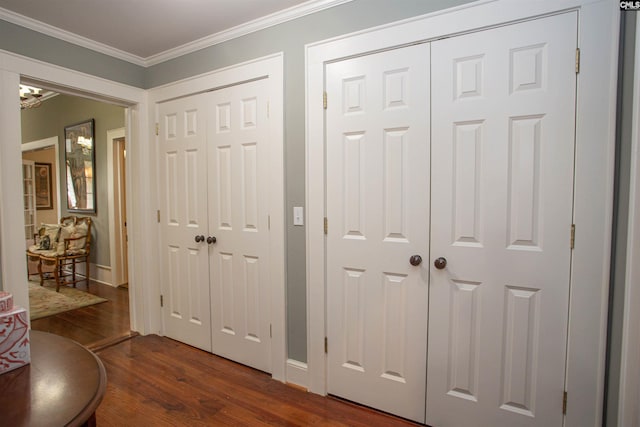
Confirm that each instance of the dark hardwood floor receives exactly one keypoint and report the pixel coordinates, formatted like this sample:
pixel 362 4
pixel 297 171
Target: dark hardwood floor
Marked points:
pixel 155 381
pixel 94 326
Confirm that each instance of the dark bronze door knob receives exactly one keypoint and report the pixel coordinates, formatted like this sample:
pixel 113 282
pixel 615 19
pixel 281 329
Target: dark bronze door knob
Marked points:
pixel 211 239
pixel 440 263
pixel 199 239
pixel 415 260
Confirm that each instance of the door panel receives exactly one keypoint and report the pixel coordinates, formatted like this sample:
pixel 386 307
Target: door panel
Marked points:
pixel 238 206
pixel 183 198
pixel 378 216
pixel 502 172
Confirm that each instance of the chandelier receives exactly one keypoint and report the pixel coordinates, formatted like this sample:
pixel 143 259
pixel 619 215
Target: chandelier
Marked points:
pixel 30 97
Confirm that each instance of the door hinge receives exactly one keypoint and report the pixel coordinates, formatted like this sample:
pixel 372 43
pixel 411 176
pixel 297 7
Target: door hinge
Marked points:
pixel 573 236
pixel 269 222
pixel 564 403
pixel 326 225
pixel 324 100
pixel 270 331
pixel 326 345
pixel 158 212
pixel 577 60
pixel 157 129
pixel 161 301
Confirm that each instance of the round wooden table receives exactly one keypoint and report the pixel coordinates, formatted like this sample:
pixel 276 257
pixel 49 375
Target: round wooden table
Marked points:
pixel 62 386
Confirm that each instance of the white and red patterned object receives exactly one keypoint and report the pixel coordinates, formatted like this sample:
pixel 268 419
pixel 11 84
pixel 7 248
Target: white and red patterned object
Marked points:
pixel 6 302
pixel 14 340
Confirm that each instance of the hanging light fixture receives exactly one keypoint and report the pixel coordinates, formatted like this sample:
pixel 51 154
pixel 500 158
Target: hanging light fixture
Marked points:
pixel 30 97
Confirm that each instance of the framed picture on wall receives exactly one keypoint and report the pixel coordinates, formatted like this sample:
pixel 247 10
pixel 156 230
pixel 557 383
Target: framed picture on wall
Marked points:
pixel 44 199
pixel 80 167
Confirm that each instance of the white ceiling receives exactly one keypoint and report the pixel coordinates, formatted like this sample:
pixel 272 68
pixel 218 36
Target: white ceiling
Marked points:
pixel 147 31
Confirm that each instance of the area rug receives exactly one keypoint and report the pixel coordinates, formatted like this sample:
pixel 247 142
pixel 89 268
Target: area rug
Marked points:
pixel 45 301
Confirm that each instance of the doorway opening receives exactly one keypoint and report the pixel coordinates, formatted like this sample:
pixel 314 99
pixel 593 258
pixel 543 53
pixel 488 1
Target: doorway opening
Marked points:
pixel 116 189
pixel 106 322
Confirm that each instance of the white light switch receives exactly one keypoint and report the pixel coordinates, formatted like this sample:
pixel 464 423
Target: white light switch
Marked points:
pixel 298 215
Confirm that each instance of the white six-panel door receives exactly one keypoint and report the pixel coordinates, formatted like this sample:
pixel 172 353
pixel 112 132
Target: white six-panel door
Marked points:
pixel 502 195
pixel 502 142
pixel 378 213
pixel 215 223
pixel 183 216
pixel 238 210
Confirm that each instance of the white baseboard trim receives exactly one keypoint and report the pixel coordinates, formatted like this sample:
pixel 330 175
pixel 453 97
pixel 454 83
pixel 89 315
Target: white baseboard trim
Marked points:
pixel 102 274
pixel 297 373
pixel 99 273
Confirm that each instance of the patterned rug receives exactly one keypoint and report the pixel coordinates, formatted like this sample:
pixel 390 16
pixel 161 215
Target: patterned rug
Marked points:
pixel 45 301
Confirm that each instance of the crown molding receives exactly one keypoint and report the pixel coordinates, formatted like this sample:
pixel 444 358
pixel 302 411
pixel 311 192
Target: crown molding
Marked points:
pixel 267 21
pixel 67 36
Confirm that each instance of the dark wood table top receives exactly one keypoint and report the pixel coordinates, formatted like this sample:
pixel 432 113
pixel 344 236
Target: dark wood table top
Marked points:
pixel 62 386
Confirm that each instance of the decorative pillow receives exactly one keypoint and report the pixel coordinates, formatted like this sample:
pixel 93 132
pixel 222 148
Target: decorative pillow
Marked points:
pixel 69 220
pixel 66 232
pixel 80 231
pixel 49 236
pixel 45 243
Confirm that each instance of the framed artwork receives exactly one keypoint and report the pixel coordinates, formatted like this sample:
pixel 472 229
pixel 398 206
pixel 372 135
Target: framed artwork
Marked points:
pixel 80 167
pixel 44 194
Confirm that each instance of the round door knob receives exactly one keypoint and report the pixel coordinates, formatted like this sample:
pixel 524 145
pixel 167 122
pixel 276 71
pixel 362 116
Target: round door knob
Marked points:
pixel 211 239
pixel 415 260
pixel 440 263
pixel 199 239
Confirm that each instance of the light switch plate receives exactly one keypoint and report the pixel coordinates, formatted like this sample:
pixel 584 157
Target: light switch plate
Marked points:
pixel 298 215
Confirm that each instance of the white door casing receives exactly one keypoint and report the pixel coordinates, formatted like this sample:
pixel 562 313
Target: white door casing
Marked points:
pixel 378 205
pixel 503 110
pixel 15 68
pixel 238 189
pixel 595 123
pixel 183 219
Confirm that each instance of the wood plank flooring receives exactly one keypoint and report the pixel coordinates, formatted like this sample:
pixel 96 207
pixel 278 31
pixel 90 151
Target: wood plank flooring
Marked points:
pixel 155 381
pixel 96 325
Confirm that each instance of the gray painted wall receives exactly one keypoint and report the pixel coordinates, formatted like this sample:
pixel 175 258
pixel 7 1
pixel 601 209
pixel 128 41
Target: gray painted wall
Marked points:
pixel 17 39
pixel 49 120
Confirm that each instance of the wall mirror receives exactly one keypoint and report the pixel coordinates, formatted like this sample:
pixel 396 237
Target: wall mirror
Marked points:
pixel 80 167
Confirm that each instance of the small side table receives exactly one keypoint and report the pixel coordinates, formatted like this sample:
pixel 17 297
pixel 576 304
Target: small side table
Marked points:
pixel 62 386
